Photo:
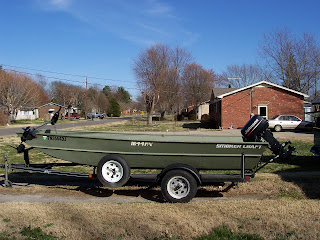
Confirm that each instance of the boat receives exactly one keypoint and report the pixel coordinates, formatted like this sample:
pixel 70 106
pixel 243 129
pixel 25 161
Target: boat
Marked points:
pixel 180 157
pixel 151 151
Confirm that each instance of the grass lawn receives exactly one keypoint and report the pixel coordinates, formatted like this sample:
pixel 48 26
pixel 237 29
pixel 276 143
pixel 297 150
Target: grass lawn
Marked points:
pixel 281 202
pixel 140 125
pixel 41 121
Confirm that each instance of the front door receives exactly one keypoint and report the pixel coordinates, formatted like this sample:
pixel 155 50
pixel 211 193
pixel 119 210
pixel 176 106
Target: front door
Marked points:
pixel 263 111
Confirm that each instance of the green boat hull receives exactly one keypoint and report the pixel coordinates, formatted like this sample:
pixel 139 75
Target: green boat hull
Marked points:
pixel 152 151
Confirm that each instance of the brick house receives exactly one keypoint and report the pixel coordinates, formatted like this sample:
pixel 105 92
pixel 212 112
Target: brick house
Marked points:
pixel 232 108
pixel 46 111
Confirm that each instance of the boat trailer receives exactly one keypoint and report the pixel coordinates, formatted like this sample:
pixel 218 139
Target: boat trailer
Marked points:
pixel 178 181
pixel 202 179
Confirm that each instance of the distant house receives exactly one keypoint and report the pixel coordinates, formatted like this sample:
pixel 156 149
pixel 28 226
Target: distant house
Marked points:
pixel 201 109
pixel 232 108
pixel 24 113
pixel 46 111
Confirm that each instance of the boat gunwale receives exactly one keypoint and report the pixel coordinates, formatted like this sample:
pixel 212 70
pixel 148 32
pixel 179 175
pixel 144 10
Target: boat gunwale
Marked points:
pixel 215 139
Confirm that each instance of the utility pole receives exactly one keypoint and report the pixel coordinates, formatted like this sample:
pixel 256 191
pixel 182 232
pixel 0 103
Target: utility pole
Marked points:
pixel 85 99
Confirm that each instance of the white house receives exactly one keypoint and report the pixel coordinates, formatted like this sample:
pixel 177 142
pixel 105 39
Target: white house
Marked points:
pixel 30 114
pixel 202 108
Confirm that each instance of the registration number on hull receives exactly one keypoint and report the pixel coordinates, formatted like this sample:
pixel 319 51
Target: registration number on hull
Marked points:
pixel 55 138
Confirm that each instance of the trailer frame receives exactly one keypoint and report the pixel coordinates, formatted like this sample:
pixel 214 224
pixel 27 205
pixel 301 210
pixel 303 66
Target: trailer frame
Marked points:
pixel 202 179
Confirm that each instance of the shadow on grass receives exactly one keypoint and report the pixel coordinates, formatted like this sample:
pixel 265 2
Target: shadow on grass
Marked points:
pixel 195 126
pixel 145 189
pixel 305 174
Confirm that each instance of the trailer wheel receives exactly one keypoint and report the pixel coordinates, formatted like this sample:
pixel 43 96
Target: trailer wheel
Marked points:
pixel 113 171
pixel 178 186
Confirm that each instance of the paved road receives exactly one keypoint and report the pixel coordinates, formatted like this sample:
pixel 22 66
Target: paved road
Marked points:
pixel 12 131
pixel 225 132
pixel 284 134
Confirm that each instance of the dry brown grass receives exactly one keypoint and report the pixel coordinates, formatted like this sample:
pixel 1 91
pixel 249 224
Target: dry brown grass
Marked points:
pixel 268 218
pixel 268 206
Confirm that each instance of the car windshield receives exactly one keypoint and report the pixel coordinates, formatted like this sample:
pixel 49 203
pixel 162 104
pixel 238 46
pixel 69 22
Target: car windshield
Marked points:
pixel 274 117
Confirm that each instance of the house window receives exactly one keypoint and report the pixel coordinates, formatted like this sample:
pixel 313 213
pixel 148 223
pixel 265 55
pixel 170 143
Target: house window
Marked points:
pixel 263 111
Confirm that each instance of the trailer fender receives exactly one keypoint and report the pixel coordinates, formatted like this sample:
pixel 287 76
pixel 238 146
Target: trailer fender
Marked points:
pixel 194 172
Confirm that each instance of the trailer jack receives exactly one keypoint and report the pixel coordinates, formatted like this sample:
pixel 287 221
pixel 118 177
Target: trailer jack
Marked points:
pixel 7 183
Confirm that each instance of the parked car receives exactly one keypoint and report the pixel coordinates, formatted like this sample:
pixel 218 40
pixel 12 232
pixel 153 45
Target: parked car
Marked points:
pixel 73 115
pixel 289 122
pixel 96 115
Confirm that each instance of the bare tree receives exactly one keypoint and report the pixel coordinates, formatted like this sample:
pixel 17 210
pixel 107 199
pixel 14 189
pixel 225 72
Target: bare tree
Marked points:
pixel 67 94
pixel 19 91
pixel 97 101
pixel 102 103
pixel 151 69
pixel 172 96
pixel 158 71
pixel 239 76
pixel 292 60
pixel 197 84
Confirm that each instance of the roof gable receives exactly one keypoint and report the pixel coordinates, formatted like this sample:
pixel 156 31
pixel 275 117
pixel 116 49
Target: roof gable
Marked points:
pixel 51 103
pixel 262 83
pixel 221 91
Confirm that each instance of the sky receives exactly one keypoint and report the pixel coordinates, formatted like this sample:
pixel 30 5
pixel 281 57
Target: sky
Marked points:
pixel 70 39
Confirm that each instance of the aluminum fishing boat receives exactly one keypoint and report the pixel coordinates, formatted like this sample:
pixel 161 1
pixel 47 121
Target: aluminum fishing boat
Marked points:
pixel 154 151
pixel 180 157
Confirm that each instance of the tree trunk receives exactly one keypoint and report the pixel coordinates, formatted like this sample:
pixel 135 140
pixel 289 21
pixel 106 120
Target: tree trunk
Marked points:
pixel 149 123
pixel 150 112
pixel 8 118
pixel 162 115
pixel 69 113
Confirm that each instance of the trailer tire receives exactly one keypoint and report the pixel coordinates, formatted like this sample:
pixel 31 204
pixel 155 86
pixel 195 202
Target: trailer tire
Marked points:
pixel 178 186
pixel 113 171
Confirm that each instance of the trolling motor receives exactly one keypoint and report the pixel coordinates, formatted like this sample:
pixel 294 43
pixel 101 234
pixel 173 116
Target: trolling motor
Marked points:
pixel 256 129
pixel 30 133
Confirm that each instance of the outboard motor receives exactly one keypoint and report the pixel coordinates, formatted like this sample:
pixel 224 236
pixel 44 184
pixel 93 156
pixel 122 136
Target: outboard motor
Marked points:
pixel 257 128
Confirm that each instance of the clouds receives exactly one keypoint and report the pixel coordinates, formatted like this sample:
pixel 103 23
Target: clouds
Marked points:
pixel 53 5
pixel 160 9
pixel 60 4
pixel 141 22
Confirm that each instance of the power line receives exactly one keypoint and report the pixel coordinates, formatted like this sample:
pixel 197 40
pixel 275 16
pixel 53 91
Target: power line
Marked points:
pixel 38 70
pixel 34 74
pixel 67 80
pixel 67 74
pixel 75 75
